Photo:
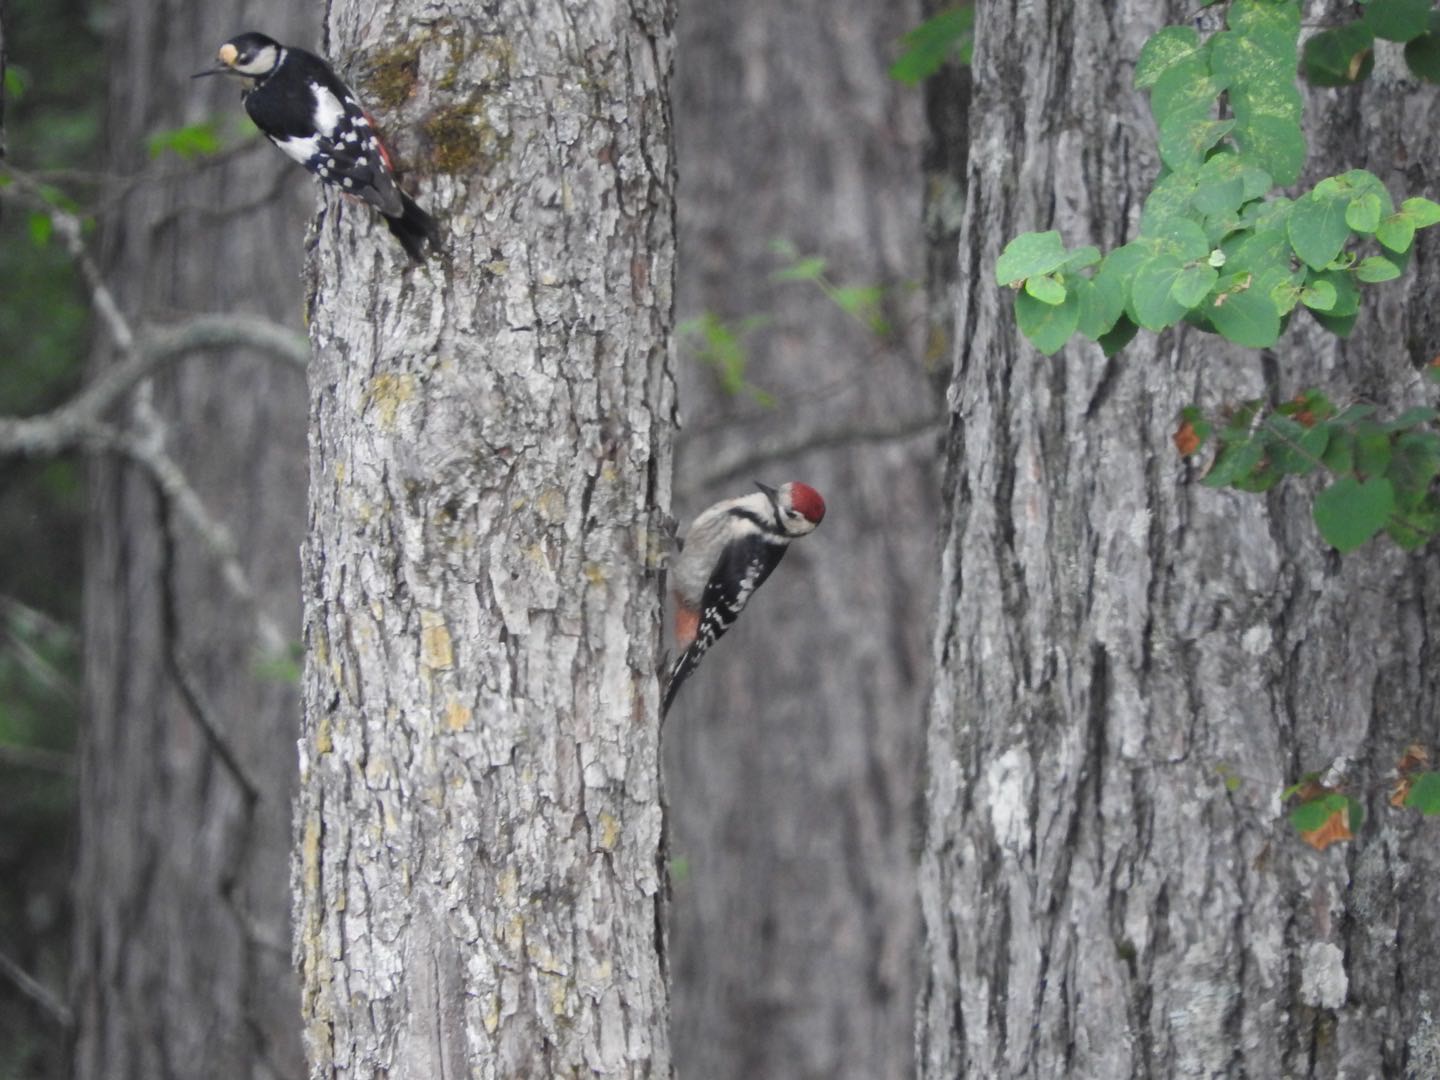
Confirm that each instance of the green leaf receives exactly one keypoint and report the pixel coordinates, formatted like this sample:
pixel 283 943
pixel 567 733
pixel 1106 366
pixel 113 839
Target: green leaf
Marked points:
pixel 1151 292
pixel 1193 284
pixel 1115 339
pixel 1349 511
pixel 1372 449
pixel 1425 794
pixel 1081 258
pixel 1396 232
pixel 1185 88
pixel 1219 195
pixel 1397 20
pixel 1347 296
pixel 190 141
pixel 926 48
pixel 1102 299
pixel 806 269
pixel 1413 465
pixel 1048 326
pixel 1275 144
pixel 1317 229
pixel 1169 201
pixel 1319 295
pixel 1247 318
pixel 1255 57
pixel 1262 15
pixel 1187 135
pixel 15 82
pixel 1422 54
pixel 41 227
pixel 1376 268
pixel 863 302
pixel 1422 212
pixel 1164 50
pixel 1414 417
pixel 1046 289
pixel 1363 214
pixel 1341 56
pixel 1234 462
pixel 1029 254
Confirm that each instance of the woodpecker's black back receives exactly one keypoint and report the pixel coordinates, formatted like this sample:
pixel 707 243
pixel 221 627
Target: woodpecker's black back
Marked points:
pixel 743 567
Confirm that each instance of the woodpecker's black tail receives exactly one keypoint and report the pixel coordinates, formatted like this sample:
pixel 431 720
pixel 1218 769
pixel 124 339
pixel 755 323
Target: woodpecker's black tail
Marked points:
pixel 414 229
pixel 685 664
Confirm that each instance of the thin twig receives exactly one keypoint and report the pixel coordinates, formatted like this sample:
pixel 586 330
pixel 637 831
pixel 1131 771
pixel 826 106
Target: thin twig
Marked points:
pixel 195 700
pixel 38 758
pixel 36 991
pixel 171 481
pixel 726 469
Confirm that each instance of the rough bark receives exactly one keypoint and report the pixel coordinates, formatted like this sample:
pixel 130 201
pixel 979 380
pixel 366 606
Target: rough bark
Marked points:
pixel 1096 901
pixel 480 879
pixel 181 965
pixel 792 752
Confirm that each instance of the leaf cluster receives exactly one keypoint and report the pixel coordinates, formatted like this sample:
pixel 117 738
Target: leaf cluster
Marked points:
pixel 1219 247
pixel 1345 54
pixel 1382 472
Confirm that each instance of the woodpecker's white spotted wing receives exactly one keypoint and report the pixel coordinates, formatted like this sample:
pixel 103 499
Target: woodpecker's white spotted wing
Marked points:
pixel 314 118
pixel 742 569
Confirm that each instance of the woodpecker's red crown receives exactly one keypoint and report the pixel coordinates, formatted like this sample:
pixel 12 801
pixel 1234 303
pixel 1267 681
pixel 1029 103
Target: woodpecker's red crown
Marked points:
pixel 807 500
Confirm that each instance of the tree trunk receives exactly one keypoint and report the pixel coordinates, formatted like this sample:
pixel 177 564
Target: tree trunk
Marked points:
pixel 1115 640
pixel 480 880
pixel 792 752
pixel 181 960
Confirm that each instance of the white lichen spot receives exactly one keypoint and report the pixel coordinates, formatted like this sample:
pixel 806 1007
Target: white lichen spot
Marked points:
pixel 1323 982
pixel 1257 641
pixel 1007 780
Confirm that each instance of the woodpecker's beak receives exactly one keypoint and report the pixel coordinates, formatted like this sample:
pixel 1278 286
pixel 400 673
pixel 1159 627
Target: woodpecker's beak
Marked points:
pixel 770 492
pixel 224 62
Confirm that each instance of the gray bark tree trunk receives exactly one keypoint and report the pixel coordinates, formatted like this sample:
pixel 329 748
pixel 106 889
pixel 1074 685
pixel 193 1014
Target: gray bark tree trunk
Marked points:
pixel 181 962
pixel 792 753
pixel 480 880
pixel 1113 635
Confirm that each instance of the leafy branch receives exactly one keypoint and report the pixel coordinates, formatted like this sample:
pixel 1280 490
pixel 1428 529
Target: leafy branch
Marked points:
pixel 1382 471
pixel 1219 247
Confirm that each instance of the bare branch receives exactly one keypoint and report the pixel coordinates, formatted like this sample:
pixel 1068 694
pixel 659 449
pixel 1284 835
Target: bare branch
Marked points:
pixel 725 468
pixel 36 991
pixel 171 481
pixel 80 421
pixel 38 758
pixel 190 691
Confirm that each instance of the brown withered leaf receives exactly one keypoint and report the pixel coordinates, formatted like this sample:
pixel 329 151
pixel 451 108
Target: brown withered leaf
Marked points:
pixel 1401 791
pixel 1415 757
pixel 1335 829
pixel 1186 441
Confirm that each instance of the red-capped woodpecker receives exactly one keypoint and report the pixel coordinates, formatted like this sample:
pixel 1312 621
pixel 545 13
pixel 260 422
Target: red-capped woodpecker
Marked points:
pixel 303 108
pixel 728 553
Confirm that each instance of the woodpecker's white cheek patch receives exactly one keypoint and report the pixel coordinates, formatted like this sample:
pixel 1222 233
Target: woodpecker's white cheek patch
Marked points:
pixel 328 110
pixel 302 150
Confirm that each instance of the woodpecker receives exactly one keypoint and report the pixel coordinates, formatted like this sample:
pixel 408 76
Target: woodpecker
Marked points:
pixel 728 552
pixel 304 109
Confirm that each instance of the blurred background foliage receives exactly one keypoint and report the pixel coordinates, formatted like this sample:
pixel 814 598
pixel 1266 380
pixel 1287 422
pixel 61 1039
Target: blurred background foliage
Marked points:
pixel 54 89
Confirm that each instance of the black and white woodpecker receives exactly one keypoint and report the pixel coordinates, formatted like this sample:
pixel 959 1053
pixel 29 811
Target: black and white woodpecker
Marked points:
pixel 727 554
pixel 303 108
